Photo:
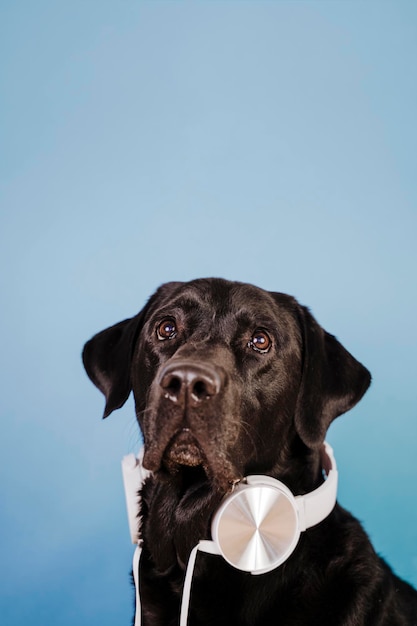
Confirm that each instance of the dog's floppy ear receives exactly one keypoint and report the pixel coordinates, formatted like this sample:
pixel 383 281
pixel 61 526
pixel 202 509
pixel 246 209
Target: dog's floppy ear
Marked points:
pixel 107 359
pixel 333 381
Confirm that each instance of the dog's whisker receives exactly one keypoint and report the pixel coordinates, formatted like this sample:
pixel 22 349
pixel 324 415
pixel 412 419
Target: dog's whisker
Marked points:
pixel 134 435
pixel 247 427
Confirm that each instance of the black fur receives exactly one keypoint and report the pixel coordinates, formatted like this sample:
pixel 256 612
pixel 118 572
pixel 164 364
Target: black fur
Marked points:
pixel 231 380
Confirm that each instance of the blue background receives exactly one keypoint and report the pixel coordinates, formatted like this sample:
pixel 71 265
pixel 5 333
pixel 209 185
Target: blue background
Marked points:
pixel 269 142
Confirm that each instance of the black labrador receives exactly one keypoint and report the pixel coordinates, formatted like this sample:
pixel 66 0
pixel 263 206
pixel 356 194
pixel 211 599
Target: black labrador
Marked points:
pixel 231 380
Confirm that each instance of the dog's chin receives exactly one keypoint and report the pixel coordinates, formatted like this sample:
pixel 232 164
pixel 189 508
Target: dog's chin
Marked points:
pixel 183 450
pixel 183 454
pixel 185 462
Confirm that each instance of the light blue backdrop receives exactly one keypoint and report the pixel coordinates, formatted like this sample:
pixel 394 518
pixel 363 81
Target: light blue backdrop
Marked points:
pixel 269 142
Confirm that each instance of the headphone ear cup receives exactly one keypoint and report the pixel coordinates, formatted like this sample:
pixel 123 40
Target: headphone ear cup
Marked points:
pixel 256 528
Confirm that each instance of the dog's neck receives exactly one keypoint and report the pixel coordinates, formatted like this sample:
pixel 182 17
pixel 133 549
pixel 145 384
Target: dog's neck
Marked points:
pixel 299 467
pixel 186 513
pixel 184 518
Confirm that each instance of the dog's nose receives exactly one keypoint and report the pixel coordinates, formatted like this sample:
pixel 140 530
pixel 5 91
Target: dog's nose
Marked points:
pixel 189 383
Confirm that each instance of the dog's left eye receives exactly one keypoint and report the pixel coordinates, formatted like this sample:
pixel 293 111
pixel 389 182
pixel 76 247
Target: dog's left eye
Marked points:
pixel 166 329
pixel 260 341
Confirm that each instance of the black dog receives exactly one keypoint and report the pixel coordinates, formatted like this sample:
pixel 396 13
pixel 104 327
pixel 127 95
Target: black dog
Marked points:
pixel 230 380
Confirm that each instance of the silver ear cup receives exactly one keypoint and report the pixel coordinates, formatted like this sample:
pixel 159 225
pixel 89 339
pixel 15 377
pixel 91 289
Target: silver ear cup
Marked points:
pixel 256 527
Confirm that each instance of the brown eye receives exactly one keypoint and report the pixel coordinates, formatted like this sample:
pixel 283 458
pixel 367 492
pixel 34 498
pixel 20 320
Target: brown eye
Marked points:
pixel 260 341
pixel 166 330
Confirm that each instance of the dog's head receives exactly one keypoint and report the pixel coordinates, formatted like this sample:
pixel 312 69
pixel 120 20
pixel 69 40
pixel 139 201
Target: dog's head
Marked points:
pixel 226 377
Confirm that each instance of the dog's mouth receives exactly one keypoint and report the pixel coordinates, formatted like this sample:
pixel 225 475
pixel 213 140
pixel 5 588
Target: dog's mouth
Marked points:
pixel 183 451
pixel 186 460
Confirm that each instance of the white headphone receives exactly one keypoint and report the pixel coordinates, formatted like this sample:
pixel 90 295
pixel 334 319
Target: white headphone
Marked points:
pixel 255 529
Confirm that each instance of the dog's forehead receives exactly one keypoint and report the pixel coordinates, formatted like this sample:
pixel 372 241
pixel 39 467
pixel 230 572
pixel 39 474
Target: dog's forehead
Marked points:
pixel 219 297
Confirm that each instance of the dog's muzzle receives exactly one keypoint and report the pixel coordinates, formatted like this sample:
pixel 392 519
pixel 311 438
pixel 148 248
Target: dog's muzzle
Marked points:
pixel 190 421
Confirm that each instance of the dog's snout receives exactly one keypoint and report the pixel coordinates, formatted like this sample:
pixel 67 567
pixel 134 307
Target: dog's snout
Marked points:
pixel 185 383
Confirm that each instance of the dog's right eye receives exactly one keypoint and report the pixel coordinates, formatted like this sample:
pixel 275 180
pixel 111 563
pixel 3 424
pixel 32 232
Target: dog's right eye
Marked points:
pixel 166 329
